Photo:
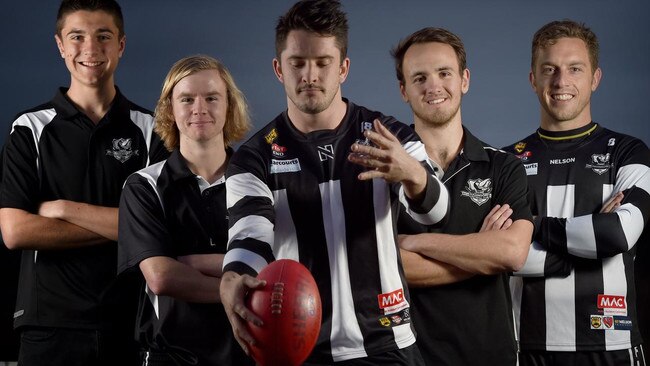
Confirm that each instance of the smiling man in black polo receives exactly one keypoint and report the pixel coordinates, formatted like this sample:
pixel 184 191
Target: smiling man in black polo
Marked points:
pixel 173 220
pixel 456 274
pixel 64 166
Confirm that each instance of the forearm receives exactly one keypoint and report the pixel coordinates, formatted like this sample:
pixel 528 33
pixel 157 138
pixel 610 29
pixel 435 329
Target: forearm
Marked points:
pixel 486 252
pixel 208 264
pixel 23 230
pixel 168 277
pixel 99 219
pixel 425 272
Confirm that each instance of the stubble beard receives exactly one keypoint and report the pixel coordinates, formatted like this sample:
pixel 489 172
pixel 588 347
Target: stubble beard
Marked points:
pixel 438 118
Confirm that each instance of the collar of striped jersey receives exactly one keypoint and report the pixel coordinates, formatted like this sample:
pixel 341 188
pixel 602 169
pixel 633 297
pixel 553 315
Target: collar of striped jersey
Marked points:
pixel 567 135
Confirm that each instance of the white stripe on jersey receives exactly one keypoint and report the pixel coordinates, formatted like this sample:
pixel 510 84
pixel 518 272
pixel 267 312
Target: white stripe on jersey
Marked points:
pixel 438 211
pixel 346 338
pixel 608 189
pixel 36 122
pixel 580 237
pixel 633 174
pixel 387 252
pixel 516 292
pixel 153 298
pixel 151 174
pixel 416 149
pixel 631 222
pixel 560 311
pixel 245 184
pixel 285 231
pixel 145 122
pixel 615 283
pixel 252 259
pixel 534 266
pixel 252 226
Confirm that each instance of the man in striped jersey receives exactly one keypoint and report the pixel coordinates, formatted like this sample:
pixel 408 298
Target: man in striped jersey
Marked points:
pixel 64 165
pixel 295 191
pixel 457 275
pixel 589 189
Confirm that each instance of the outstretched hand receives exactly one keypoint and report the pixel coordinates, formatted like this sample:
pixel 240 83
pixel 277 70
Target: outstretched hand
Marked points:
pixel 388 160
pixel 233 291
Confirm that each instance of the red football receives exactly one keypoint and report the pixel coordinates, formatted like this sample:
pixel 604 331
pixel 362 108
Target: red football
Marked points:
pixel 290 307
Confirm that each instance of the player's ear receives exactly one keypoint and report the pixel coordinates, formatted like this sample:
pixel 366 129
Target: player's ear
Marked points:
pixel 596 79
pixel 465 81
pixel 277 68
pixel 59 45
pixel 531 78
pixel 344 69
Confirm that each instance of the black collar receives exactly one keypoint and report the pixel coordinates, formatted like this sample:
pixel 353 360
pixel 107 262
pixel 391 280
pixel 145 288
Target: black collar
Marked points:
pixel 119 110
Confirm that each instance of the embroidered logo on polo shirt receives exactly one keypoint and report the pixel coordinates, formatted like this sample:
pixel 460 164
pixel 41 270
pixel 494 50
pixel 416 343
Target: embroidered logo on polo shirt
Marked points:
pixel 599 163
pixel 122 150
pixel 478 190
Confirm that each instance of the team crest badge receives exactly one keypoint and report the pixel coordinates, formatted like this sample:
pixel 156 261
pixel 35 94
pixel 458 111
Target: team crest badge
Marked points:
pixel 271 136
pixel 595 322
pixel 478 190
pixel 384 321
pixel 599 163
pixel 122 150
pixel 520 146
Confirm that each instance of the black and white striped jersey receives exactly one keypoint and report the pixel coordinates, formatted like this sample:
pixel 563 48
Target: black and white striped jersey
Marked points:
pixel 294 195
pixel 570 175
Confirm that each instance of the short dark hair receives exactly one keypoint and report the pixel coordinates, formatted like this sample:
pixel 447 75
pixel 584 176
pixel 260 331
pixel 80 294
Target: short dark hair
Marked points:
pixel 323 17
pixel 551 32
pixel 427 35
pixel 71 6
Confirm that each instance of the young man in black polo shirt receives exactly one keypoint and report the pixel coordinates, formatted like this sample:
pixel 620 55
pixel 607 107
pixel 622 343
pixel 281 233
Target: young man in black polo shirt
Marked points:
pixel 173 220
pixel 65 162
pixel 457 273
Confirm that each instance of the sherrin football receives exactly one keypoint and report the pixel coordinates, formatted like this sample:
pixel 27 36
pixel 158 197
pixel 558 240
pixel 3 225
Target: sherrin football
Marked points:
pixel 290 307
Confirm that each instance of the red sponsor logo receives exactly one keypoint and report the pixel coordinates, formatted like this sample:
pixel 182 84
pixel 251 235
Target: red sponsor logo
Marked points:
pixel 391 299
pixel 611 301
pixel 278 148
pixel 608 321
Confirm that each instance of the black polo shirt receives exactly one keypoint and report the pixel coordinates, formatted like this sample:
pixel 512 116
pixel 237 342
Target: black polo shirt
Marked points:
pixel 55 152
pixel 470 322
pixel 166 210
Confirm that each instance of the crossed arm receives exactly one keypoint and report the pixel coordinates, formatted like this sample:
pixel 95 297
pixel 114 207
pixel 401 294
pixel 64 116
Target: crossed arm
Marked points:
pixel 59 224
pixel 191 278
pixel 501 245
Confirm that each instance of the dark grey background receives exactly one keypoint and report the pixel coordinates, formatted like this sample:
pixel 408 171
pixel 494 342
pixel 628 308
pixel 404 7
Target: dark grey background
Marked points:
pixel 500 107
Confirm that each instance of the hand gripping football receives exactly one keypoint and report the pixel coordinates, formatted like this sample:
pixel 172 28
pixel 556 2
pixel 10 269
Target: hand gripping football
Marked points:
pixel 290 307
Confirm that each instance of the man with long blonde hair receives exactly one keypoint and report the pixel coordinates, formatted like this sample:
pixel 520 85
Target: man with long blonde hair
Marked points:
pixel 173 221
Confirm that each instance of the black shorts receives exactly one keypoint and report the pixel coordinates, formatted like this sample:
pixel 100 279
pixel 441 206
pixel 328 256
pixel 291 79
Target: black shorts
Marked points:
pixel 409 356
pixel 627 357
pixel 72 347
